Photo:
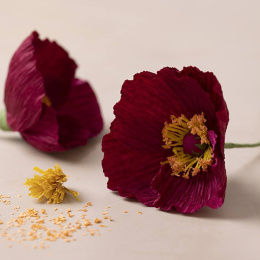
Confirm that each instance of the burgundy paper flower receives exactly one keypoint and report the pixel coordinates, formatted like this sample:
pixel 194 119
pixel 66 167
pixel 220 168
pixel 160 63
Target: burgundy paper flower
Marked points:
pixel 166 144
pixel 51 109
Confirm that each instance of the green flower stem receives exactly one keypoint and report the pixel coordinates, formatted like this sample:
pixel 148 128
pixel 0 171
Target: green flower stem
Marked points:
pixel 3 122
pixel 233 145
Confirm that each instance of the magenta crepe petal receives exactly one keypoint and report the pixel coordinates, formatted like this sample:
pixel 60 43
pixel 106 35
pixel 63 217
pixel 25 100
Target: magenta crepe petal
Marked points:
pixel 42 69
pixel 24 101
pixel 56 68
pixel 71 125
pixel 187 196
pixel 147 102
pixel 130 171
pixel 79 118
pixel 44 134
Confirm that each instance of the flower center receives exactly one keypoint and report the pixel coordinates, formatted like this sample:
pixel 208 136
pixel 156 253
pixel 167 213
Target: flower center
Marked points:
pixel 188 139
pixel 192 145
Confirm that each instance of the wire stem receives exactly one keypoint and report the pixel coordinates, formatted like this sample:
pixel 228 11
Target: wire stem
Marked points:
pixel 234 145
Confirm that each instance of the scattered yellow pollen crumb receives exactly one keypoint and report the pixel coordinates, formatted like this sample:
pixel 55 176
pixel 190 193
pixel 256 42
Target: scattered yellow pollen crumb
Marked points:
pixel 84 210
pixel 33 225
pixel 83 216
pixel 91 231
pixel 40 221
pixel 97 220
pixel 19 196
pixel 59 220
pixel 86 223
pixel 125 211
pixel 139 212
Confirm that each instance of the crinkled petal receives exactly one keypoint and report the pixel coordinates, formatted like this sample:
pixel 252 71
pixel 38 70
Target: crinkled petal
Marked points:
pixel 80 117
pixel 130 172
pixel 148 101
pixel 44 135
pixel 23 88
pixel 210 84
pixel 189 195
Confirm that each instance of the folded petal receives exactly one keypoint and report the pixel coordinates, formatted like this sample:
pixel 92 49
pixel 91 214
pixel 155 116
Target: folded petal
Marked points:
pixel 130 172
pixel 79 118
pixel 70 125
pixel 56 68
pixel 44 134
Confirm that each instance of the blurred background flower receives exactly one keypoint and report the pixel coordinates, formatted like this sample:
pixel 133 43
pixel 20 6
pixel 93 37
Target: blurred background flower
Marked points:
pixel 51 109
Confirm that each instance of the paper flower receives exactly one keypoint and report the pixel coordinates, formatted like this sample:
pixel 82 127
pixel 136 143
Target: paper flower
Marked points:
pixel 51 109
pixel 49 185
pixel 166 144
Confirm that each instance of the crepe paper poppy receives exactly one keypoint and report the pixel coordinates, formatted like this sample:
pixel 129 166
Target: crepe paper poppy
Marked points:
pixel 53 110
pixel 166 144
pixel 49 185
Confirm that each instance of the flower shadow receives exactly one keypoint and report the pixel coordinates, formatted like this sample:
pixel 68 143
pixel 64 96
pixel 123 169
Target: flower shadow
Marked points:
pixel 242 200
pixel 74 155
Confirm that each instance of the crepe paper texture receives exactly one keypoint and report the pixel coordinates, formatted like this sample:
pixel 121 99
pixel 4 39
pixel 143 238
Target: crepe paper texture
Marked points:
pixel 49 185
pixel 53 110
pixel 166 144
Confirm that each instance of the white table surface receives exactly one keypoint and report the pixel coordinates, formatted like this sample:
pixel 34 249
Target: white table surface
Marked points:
pixel 111 41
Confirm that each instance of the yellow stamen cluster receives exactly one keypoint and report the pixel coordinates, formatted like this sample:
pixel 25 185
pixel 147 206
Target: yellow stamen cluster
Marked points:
pixel 197 126
pixel 46 101
pixel 183 164
pixel 49 185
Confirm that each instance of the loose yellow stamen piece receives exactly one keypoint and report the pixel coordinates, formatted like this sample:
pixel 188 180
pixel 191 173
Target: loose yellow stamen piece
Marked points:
pixel 49 185
pixel 186 164
pixel 46 101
